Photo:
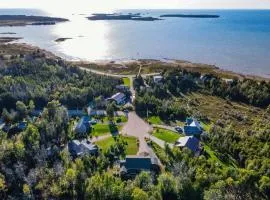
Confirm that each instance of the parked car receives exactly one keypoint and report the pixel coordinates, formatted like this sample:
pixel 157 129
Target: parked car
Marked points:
pixel 179 129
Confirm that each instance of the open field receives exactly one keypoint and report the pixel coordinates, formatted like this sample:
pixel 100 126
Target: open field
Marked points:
pixel 132 147
pixel 240 116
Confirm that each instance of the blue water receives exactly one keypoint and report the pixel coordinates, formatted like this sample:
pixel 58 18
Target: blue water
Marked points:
pixel 238 41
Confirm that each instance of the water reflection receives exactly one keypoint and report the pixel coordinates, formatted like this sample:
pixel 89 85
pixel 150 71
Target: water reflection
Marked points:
pixel 89 38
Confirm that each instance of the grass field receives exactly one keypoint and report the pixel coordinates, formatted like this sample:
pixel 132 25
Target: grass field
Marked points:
pixel 155 120
pixel 126 82
pixel 240 116
pixel 103 129
pixel 132 147
pixel 166 135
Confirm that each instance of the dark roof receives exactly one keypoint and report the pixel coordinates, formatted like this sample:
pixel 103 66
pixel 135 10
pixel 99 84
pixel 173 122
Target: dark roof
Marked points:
pixel 190 142
pixel 192 130
pixel 83 125
pixel 193 127
pixel 138 162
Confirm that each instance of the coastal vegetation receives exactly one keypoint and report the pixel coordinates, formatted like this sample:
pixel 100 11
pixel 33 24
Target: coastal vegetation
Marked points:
pixel 35 163
pixel 234 113
pixel 50 79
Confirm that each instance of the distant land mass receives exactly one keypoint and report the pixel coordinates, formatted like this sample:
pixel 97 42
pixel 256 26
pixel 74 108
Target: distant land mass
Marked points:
pixel 23 20
pixel 190 16
pixel 9 39
pixel 62 39
pixel 134 17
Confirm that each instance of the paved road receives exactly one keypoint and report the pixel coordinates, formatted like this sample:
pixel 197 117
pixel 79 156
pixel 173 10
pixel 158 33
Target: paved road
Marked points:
pixel 116 75
pixel 159 142
pixel 137 127
pixel 170 128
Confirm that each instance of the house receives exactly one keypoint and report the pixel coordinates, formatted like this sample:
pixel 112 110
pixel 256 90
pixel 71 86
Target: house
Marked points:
pixel 157 79
pixel 133 165
pixel 22 126
pixel 75 113
pixel 189 142
pixel 93 112
pixel 192 127
pixel 119 98
pixel 227 80
pixel 77 148
pixel 83 126
pixel 122 88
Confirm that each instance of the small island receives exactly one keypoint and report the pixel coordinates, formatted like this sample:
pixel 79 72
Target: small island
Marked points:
pixel 190 16
pixel 8 33
pixel 133 17
pixel 9 39
pixel 62 39
pixel 23 20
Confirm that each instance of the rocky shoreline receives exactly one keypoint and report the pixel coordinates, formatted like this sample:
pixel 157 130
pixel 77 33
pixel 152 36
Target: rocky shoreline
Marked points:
pixel 125 67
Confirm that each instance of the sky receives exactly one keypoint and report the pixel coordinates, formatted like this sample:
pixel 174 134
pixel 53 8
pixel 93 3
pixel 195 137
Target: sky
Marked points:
pixel 68 5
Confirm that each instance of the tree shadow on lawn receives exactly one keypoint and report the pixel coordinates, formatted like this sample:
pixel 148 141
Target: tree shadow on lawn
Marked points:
pixel 114 129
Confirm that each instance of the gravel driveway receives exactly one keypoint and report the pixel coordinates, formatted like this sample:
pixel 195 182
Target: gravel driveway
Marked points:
pixel 137 127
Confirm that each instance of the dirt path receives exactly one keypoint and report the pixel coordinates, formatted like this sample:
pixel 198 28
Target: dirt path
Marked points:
pixel 99 138
pixel 137 127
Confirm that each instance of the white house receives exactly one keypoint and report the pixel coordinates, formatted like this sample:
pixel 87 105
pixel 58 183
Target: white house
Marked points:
pixel 119 98
pixel 157 79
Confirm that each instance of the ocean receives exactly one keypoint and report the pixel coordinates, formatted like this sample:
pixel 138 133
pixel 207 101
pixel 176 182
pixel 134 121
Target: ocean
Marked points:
pixel 238 41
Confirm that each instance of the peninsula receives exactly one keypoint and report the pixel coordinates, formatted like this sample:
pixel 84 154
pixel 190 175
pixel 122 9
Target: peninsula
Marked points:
pixel 133 17
pixel 190 16
pixel 23 20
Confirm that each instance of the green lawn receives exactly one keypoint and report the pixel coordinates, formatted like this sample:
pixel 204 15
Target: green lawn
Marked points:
pixel 100 129
pixel 103 129
pixel 126 82
pixel 132 147
pixel 155 120
pixel 122 119
pixel 166 135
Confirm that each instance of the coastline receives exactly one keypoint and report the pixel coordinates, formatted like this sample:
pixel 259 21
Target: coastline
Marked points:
pixel 129 66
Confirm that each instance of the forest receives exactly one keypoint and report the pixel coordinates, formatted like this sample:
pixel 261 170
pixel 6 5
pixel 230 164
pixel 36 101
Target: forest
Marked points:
pixel 42 80
pixel 242 153
pixel 35 163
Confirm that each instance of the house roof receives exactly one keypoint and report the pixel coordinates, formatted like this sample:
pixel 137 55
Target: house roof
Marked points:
pixel 81 125
pixel 82 147
pixel 138 162
pixel 88 145
pixel 118 96
pixel 158 77
pixel 190 142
